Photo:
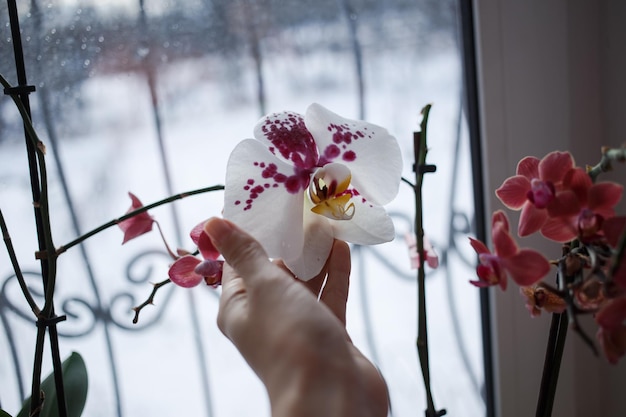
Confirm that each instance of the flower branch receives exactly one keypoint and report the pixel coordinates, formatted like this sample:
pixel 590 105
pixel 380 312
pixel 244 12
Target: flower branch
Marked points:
pixel 420 168
pixel 136 212
pixel 16 267
pixel 609 156
pixel 46 254
pixel 150 299
pixel 566 204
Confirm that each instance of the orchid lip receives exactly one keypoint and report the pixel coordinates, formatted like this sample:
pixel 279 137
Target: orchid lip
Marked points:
pixel 328 191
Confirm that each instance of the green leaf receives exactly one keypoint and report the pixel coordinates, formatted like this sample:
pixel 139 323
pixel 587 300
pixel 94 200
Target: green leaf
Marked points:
pixel 75 383
pixel 4 414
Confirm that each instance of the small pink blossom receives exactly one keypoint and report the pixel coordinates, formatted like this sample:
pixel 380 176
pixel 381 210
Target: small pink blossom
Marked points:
pixel 534 188
pixel 432 259
pixel 525 266
pixel 612 331
pixel 138 224
pixel 189 271
pixel 579 210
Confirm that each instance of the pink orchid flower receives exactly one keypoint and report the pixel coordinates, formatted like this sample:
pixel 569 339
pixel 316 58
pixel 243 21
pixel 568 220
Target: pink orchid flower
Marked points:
pixel 579 210
pixel 136 225
pixel 525 266
pixel 534 187
pixel 612 331
pixel 189 271
pixel 432 259
pixel 307 180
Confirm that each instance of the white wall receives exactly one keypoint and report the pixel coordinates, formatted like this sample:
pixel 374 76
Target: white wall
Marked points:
pixel 552 75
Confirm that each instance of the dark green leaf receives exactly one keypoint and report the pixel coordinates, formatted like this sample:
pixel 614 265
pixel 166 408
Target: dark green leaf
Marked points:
pixel 75 383
pixel 4 414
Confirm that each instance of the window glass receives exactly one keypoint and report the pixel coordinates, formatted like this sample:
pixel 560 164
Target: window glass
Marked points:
pixel 150 97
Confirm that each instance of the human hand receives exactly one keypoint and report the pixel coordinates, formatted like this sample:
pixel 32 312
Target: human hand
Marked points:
pixel 297 345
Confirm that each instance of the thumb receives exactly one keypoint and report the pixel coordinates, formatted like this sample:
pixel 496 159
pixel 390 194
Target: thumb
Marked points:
pixel 241 251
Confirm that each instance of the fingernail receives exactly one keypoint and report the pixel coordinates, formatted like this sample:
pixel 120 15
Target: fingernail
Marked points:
pixel 218 229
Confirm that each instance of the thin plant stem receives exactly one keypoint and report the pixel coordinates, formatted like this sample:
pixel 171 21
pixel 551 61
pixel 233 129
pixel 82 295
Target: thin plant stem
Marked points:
pixel 16 267
pixel 552 364
pixel 46 254
pixel 150 299
pixel 128 215
pixel 420 168
pixel 609 156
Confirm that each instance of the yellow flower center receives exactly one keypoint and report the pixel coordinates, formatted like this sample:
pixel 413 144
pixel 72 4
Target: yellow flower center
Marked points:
pixel 327 192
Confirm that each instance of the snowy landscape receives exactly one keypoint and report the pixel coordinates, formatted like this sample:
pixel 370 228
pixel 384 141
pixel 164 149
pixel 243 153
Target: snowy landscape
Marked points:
pixel 175 361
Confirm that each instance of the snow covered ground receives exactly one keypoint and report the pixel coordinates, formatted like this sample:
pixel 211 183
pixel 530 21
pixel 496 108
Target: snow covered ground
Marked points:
pixel 206 111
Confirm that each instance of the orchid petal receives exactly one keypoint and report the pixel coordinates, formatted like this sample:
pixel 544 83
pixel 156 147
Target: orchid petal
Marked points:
pixel 604 195
pixel 370 224
pixel 578 181
pixel 209 268
pixel 613 229
pixel 503 242
pixel 255 186
pixel 481 284
pixel 369 151
pixel 555 165
pixel 613 314
pixel 513 192
pixel 500 218
pixel 197 231
pixel 531 219
pixel 559 229
pixel 479 246
pixel 336 208
pixel 526 267
pixel 565 204
pixel 182 272
pixel 287 137
pixel 528 167
pixel 432 259
pixel 318 241
pixel 137 225
pixel 613 343
pixel 612 332
pixel 206 248
pixel 329 181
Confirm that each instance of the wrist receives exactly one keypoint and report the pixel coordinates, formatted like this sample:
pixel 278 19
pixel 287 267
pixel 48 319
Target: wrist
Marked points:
pixel 316 384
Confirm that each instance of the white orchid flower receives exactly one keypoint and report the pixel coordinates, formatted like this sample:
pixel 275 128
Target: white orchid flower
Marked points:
pixel 308 180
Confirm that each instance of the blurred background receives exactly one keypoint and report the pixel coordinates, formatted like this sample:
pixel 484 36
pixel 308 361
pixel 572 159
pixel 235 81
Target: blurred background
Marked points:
pixel 150 97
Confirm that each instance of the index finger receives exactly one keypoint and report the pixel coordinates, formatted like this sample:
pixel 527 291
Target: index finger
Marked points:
pixel 241 251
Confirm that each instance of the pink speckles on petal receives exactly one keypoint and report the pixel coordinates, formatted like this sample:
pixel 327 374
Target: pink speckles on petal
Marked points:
pixel 293 183
pixel 331 152
pixel 289 138
pixel 343 134
pixel 349 156
pixel 377 164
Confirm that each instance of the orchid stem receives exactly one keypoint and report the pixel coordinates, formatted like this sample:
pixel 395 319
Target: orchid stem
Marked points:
pixel 420 168
pixel 143 209
pixel 167 247
pixel 606 162
pixel 552 364
pixel 149 300
pixel 35 150
pixel 409 183
pixel 16 267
